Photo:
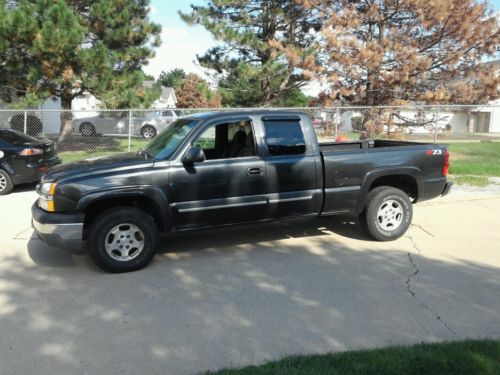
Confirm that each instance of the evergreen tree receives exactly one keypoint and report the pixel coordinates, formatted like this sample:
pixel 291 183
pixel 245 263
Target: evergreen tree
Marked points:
pixel 251 69
pixel 65 49
pixel 394 52
pixel 173 78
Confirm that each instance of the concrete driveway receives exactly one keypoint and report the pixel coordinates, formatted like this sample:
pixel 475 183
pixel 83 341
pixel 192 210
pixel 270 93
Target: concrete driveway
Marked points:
pixel 248 295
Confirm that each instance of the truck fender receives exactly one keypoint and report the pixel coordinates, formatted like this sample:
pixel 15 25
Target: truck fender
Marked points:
pixel 371 176
pixel 151 192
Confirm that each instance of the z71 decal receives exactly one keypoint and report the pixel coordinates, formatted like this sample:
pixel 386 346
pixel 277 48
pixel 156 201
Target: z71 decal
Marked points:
pixel 434 152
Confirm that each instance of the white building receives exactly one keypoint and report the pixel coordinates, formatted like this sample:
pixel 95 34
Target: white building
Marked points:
pixel 167 98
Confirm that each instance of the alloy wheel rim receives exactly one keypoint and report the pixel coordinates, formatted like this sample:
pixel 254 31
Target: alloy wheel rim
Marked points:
pixel 86 130
pixel 124 242
pixel 148 133
pixel 390 215
pixel 3 182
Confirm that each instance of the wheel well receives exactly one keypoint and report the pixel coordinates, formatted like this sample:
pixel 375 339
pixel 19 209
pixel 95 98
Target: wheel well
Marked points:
pixel 143 203
pixel 403 182
pixel 86 123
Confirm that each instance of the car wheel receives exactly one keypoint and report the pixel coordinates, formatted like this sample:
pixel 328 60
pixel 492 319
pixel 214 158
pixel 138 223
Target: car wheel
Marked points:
pixel 388 213
pixel 87 129
pixel 148 132
pixel 6 184
pixel 123 240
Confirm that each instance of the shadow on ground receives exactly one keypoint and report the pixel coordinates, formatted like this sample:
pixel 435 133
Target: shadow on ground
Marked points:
pixel 24 188
pixel 235 297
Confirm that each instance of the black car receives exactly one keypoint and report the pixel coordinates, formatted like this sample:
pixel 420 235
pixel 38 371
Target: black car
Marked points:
pixel 23 158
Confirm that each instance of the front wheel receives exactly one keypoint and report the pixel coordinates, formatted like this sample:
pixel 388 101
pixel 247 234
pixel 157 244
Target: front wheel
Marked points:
pixel 123 239
pixel 6 184
pixel 148 132
pixel 388 213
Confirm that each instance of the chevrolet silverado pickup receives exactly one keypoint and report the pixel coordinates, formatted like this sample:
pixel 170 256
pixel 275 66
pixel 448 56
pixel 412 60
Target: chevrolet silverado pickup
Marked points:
pixel 223 168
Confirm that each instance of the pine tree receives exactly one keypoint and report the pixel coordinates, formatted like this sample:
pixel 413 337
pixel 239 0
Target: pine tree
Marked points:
pixel 393 52
pixel 173 78
pixel 251 70
pixel 65 49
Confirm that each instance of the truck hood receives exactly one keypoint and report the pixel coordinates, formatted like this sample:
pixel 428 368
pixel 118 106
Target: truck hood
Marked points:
pixel 87 167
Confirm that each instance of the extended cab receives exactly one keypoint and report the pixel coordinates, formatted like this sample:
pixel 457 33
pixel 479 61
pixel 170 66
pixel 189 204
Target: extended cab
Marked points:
pixel 215 169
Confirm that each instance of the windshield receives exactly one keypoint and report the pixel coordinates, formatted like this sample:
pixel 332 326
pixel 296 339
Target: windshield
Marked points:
pixel 165 143
pixel 15 138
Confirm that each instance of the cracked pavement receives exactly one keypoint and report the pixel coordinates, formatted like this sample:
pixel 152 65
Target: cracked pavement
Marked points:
pixel 250 294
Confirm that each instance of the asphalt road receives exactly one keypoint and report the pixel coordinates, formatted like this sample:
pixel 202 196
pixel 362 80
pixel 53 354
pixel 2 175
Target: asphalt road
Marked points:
pixel 248 295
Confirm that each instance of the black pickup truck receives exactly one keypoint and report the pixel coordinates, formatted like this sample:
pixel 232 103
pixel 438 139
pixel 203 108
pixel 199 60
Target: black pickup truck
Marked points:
pixel 215 169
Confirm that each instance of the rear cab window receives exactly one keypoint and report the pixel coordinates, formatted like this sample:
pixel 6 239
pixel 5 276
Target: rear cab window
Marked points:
pixel 284 136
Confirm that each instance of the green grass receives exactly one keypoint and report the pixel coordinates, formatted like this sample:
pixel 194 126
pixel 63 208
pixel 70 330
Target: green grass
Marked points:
pixel 467 357
pixel 477 159
pixel 480 181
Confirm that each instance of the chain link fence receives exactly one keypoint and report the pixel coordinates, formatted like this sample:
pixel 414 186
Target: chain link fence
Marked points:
pixel 83 134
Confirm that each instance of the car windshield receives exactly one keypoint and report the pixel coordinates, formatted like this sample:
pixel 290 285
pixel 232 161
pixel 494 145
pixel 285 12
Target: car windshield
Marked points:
pixel 165 143
pixel 15 138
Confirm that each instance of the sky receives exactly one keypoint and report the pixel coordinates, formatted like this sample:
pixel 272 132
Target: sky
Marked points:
pixel 181 43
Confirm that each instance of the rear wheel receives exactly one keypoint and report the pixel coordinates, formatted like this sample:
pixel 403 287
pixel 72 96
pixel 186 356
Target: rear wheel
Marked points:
pixel 6 184
pixel 148 132
pixel 87 129
pixel 387 214
pixel 123 239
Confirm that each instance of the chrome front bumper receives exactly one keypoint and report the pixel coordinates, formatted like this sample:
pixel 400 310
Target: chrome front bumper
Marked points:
pixel 51 229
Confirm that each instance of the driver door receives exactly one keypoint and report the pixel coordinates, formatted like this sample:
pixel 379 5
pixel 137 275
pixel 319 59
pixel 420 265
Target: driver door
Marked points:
pixel 229 187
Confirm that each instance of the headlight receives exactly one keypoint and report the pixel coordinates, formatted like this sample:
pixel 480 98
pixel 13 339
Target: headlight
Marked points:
pixel 46 199
pixel 45 204
pixel 48 188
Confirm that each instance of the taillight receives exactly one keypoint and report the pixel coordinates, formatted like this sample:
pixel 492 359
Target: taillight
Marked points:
pixel 446 164
pixel 31 151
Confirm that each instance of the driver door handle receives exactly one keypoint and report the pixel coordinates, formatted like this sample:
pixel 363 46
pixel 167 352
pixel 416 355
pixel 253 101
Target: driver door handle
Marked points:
pixel 254 171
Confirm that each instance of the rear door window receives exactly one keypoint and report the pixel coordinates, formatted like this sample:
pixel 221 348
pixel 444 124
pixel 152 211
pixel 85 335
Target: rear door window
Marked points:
pixel 284 137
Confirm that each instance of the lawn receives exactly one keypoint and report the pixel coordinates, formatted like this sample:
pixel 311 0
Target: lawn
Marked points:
pixel 476 159
pixel 467 357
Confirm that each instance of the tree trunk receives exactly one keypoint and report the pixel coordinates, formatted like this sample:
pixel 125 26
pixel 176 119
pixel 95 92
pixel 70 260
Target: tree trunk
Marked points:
pixel 66 117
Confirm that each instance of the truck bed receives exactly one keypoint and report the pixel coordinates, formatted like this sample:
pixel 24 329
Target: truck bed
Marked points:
pixel 346 171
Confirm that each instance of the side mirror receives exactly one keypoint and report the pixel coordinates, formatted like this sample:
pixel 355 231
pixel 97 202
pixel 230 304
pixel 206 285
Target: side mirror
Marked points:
pixel 194 155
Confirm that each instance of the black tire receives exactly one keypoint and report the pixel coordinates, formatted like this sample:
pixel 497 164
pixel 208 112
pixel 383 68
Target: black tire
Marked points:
pixel 121 217
pixel 87 129
pixel 6 184
pixel 389 201
pixel 148 132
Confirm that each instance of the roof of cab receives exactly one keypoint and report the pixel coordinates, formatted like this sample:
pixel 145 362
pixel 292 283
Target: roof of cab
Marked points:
pixel 258 112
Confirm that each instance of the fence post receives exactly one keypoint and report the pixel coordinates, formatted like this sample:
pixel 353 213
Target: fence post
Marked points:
pixel 25 121
pixel 436 125
pixel 129 128
pixel 337 121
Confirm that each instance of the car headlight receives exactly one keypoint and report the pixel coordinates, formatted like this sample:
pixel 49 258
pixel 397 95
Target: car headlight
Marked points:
pixel 46 199
pixel 48 188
